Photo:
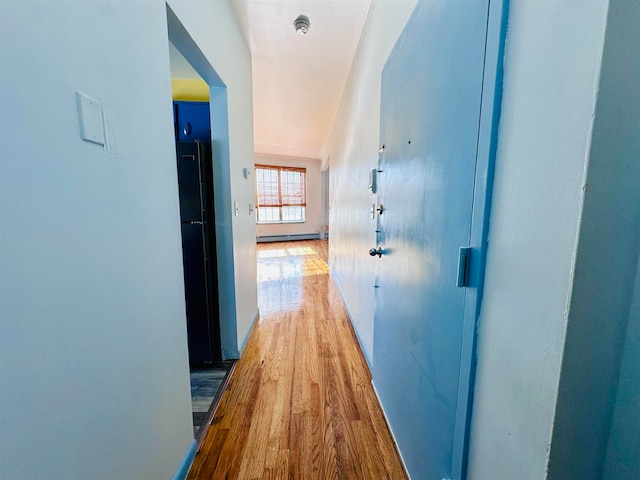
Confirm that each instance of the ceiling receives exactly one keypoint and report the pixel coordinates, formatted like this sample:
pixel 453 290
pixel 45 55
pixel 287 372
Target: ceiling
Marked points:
pixel 297 79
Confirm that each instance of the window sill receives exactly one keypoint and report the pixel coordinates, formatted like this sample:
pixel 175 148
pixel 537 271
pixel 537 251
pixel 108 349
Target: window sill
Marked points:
pixel 281 223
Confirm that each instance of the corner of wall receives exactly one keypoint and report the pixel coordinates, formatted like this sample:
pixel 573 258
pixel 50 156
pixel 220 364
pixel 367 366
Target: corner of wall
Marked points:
pixel 552 60
pixel 606 261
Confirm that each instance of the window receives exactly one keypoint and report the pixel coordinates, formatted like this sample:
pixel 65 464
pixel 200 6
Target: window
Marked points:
pixel 280 194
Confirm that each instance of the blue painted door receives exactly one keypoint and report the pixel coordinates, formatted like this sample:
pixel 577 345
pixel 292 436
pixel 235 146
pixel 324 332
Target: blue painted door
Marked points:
pixel 430 117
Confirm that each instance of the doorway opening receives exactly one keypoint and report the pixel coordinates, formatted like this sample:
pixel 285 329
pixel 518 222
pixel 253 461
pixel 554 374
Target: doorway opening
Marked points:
pixel 201 135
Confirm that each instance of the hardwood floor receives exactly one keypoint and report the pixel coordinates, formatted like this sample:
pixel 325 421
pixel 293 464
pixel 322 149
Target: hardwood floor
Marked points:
pixel 299 404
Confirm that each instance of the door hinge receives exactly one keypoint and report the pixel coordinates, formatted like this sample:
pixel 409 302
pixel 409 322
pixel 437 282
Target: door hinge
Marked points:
pixel 464 261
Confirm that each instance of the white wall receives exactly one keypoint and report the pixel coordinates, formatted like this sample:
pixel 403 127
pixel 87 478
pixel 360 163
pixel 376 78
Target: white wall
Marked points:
pixel 314 211
pixel 213 27
pixel 605 270
pixel 552 62
pixel 325 195
pixel 93 349
pixel 353 151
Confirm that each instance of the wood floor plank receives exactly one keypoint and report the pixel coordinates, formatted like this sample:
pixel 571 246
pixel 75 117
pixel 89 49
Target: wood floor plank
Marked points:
pixel 208 467
pixel 253 460
pixel 300 404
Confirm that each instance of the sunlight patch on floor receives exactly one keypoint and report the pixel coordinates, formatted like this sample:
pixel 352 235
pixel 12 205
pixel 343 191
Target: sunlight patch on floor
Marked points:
pixel 281 272
pixel 289 262
pixel 301 251
pixel 279 253
pixel 286 252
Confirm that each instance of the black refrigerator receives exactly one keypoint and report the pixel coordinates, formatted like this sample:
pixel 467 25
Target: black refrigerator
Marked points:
pixel 195 182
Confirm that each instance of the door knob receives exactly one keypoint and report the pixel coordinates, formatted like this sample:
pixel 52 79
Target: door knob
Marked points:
pixel 380 209
pixel 376 251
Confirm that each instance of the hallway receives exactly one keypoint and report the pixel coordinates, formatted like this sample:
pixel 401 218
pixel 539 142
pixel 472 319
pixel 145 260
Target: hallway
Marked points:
pixel 300 403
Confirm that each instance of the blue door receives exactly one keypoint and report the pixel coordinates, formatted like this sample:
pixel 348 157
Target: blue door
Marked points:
pixel 432 94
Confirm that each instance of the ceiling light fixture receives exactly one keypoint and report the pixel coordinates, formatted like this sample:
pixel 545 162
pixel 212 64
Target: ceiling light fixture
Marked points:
pixel 301 24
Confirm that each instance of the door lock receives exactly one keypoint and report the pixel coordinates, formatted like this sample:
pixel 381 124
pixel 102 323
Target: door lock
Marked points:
pixel 376 251
pixel 380 209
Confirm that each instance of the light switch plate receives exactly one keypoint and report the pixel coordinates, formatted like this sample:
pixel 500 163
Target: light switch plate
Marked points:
pixel 91 120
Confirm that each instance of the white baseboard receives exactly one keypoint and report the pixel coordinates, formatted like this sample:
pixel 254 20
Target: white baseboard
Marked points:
pixel 386 419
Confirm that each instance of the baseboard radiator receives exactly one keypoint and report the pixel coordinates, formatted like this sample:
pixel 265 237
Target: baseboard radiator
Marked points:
pixel 288 238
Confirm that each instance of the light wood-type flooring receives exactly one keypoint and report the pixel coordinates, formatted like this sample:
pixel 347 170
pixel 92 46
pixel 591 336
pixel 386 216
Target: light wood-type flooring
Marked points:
pixel 299 404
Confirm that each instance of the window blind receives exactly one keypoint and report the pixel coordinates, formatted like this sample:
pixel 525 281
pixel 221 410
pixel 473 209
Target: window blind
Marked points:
pixel 278 186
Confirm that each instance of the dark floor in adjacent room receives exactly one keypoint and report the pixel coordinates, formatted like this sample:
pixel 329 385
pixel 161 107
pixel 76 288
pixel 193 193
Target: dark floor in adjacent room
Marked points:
pixel 206 384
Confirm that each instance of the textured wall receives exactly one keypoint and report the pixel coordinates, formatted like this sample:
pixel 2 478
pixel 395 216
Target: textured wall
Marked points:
pixel 93 348
pixel 605 269
pixel 552 62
